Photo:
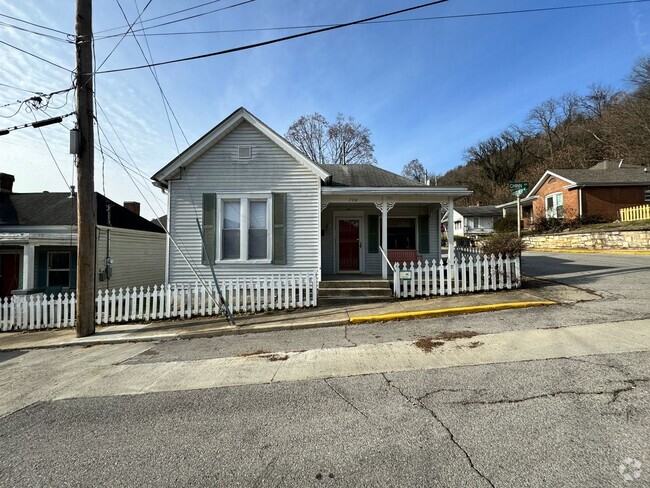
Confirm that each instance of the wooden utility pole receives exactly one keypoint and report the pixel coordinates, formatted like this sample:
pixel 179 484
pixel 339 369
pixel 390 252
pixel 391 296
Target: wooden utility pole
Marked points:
pixel 86 203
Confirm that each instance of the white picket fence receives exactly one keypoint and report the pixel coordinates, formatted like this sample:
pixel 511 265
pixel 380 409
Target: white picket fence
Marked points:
pixel 34 312
pixel 253 294
pixel 473 273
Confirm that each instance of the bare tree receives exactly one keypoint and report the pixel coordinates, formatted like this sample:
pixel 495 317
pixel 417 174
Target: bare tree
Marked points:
pixel 342 142
pixel 414 170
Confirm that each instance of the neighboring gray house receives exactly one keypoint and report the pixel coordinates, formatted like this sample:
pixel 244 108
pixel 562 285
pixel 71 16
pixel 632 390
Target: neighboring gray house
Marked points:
pixel 266 208
pixel 38 243
pixel 474 221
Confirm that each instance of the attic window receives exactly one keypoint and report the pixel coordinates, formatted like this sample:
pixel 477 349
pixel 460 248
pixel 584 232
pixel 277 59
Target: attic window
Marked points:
pixel 244 152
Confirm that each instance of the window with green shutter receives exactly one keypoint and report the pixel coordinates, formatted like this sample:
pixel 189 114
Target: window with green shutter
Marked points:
pixel 209 230
pixel 423 233
pixel 279 228
pixel 373 234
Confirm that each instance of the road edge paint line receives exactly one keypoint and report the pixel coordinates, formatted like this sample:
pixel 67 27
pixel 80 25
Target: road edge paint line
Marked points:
pixel 443 312
pixel 634 252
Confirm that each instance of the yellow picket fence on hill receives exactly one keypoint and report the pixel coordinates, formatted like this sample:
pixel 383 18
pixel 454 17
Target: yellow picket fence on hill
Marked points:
pixel 642 212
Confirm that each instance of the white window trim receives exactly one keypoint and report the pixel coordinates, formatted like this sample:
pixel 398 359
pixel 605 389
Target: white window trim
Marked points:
pixel 554 195
pixel 244 198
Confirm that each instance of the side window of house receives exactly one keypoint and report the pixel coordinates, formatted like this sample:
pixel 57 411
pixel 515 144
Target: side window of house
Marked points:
pixel 58 269
pixel 647 195
pixel 477 222
pixel 257 230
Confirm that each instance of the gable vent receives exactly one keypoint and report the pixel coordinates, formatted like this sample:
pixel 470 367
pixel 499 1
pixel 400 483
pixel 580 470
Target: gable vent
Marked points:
pixel 244 152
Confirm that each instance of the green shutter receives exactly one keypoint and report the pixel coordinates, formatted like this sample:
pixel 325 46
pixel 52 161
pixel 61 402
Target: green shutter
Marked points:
pixel 209 228
pixel 424 233
pixel 373 234
pixel 279 228
pixel 41 270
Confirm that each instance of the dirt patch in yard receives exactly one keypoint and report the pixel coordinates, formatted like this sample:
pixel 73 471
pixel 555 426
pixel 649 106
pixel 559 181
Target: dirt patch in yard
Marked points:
pixel 453 335
pixel 427 344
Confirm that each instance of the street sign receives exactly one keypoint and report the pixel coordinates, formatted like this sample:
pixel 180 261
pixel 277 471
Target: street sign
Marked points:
pixel 518 188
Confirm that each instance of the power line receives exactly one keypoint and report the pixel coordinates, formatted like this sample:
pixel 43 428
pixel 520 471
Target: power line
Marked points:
pixel 35 56
pixel 36 124
pixel 280 39
pixel 39 101
pixel 22 29
pixel 36 25
pixel 52 154
pixel 124 35
pixel 392 21
pixel 162 16
pixel 19 89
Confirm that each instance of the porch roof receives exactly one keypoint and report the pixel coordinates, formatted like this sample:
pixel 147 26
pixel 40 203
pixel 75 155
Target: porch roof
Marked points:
pixel 420 193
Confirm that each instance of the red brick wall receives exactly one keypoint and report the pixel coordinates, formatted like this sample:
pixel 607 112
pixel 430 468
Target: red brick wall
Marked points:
pixel 556 185
pixel 607 201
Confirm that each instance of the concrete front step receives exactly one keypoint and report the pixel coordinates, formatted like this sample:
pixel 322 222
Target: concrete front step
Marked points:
pixel 348 284
pixel 354 292
pixel 352 300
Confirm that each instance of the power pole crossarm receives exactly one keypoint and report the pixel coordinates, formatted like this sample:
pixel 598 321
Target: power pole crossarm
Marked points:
pixel 86 212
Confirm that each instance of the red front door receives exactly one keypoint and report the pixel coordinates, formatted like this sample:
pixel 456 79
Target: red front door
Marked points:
pixel 349 245
pixel 9 268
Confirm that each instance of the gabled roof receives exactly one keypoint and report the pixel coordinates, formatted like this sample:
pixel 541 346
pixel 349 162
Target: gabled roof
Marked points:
pixel 59 209
pixel 599 175
pixel 479 211
pixel 365 175
pixel 220 131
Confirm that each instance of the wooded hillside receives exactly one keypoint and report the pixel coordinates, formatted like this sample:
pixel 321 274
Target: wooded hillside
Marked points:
pixel 573 131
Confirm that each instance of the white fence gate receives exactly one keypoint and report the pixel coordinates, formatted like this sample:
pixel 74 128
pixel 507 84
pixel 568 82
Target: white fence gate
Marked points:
pixel 473 273
pixel 276 292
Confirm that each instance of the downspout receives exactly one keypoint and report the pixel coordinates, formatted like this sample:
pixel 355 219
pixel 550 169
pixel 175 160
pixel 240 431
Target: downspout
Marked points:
pixel 580 201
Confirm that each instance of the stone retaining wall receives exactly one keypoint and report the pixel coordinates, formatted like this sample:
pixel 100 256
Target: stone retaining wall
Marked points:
pixel 632 240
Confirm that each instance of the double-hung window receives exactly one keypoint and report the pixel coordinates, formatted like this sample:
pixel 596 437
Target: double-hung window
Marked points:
pixel 244 226
pixel 58 269
pixel 554 206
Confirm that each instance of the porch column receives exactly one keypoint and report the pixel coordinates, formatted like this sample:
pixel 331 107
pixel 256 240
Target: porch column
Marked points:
pixel 384 206
pixel 450 230
pixel 29 254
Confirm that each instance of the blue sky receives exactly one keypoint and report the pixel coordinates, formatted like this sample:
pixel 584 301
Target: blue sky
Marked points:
pixel 426 89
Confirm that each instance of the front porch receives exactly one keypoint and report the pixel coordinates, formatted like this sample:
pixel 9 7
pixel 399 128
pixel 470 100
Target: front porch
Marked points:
pixel 364 231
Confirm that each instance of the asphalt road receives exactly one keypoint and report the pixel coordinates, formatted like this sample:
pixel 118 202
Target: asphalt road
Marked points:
pixel 580 421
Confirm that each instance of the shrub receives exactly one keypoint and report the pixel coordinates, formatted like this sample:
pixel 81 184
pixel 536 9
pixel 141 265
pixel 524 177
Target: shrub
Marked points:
pixel 544 225
pixel 506 224
pixel 503 244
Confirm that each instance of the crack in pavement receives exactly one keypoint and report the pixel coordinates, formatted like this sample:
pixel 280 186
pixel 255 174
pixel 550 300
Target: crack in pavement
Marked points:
pixel 345 336
pixel 343 398
pixel 631 385
pixel 416 402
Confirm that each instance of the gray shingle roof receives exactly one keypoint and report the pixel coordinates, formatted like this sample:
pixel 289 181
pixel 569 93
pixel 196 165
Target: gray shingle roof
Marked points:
pixel 611 176
pixel 60 209
pixel 476 211
pixel 365 175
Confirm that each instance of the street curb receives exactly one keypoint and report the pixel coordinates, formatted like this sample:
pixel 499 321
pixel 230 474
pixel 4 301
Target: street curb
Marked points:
pixel 444 312
pixel 89 342
pixel 639 252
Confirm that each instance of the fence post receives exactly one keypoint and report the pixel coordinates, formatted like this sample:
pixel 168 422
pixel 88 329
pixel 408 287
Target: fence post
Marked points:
pixel 396 287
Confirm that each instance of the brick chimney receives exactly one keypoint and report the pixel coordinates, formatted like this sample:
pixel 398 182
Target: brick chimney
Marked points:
pixel 6 182
pixel 133 207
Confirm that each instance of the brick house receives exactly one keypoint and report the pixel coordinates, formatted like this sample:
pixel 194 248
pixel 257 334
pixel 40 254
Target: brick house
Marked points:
pixel 601 190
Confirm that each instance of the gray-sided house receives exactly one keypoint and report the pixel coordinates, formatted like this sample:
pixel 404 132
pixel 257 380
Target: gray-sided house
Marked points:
pixel 38 243
pixel 266 208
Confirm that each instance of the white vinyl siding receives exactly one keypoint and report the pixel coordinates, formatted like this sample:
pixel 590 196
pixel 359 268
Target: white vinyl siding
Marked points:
pixel 138 258
pixel 219 171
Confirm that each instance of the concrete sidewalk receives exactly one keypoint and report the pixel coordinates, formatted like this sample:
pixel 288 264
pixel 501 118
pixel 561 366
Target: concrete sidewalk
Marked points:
pixel 287 320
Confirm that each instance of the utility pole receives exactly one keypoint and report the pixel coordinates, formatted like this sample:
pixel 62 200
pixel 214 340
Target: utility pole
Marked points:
pixel 86 202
